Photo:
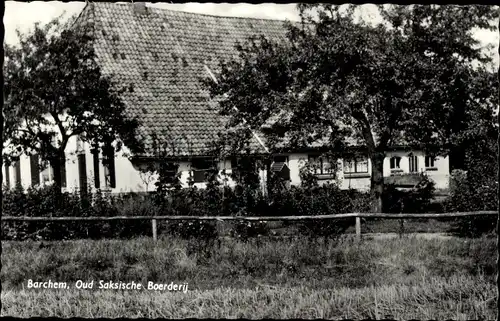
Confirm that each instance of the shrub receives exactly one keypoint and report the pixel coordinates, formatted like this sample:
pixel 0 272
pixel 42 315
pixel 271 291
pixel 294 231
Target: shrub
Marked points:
pixel 244 229
pixel 323 200
pixel 468 192
pixel 48 201
pixel 417 200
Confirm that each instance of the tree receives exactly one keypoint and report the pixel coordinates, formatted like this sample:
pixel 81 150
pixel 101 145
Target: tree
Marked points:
pixel 54 89
pixel 413 79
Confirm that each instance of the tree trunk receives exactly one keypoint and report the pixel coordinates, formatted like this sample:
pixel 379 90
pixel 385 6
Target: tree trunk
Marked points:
pixel 56 164
pixel 377 181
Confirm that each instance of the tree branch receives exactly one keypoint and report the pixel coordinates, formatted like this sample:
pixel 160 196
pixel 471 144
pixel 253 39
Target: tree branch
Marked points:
pixel 65 137
pixel 366 131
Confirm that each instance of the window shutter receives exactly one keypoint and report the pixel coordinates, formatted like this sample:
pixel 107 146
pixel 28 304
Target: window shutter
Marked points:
pixel 95 154
pixel 35 170
pixel 18 172
pixel 429 161
pixel 7 175
pixel 82 173
pixel 413 162
pixel 111 164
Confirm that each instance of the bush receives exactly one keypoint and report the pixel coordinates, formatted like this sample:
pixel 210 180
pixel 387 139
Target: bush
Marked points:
pixel 324 200
pixel 50 202
pixel 470 193
pixel 417 200
pixel 244 229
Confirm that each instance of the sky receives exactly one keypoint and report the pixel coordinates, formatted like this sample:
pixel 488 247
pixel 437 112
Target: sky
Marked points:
pixel 23 15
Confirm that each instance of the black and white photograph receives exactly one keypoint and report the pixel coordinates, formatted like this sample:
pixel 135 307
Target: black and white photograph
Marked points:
pixel 250 160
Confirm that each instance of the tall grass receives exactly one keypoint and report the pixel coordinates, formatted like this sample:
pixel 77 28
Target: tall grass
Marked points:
pixel 401 278
pixel 240 264
pixel 458 298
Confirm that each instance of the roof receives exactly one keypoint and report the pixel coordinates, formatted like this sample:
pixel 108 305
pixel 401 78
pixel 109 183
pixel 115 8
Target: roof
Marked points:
pixel 159 55
pixel 278 166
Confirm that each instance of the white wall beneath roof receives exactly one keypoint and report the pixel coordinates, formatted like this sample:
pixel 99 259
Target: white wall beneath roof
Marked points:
pixel 295 163
pixel 130 178
pixel 440 175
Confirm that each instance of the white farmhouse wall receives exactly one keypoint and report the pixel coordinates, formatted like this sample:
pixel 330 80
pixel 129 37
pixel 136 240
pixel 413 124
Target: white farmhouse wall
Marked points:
pixel 359 182
pixel 130 178
pixel 439 174
pixel 295 163
pixel 72 178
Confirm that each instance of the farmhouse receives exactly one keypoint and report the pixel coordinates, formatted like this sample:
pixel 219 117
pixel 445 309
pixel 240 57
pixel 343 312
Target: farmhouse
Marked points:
pixel 160 55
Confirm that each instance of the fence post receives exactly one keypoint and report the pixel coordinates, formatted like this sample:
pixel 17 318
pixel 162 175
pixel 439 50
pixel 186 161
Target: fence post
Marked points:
pixel 358 227
pixel 153 225
pixel 401 228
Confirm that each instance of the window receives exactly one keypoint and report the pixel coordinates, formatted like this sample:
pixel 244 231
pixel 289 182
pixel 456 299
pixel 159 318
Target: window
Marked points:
pixel 35 170
pixel 413 163
pixel 109 166
pixel 17 172
pixel 200 168
pixel 321 165
pixel 47 174
pixel 236 168
pixel 95 158
pixel 169 172
pixel 395 162
pixel 429 161
pixel 82 173
pixel 357 165
pixel 79 145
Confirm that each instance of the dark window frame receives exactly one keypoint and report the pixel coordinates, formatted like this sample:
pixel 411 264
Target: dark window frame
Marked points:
pixel 397 163
pixel 35 170
pixel 82 173
pixel 429 161
pixel 17 167
pixel 95 158
pixel 320 160
pixel 356 161
pixel 109 166
pixel 199 168
pixel 169 172
pixel 412 163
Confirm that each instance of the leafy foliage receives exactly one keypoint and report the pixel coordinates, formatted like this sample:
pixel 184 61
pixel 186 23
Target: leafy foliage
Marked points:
pixel 54 90
pixel 469 194
pixel 416 200
pixel 418 79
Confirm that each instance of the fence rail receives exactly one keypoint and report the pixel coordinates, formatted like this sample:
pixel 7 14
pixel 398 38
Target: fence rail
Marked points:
pixel 154 219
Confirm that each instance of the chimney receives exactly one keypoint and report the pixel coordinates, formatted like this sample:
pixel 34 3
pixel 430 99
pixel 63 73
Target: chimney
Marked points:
pixel 139 7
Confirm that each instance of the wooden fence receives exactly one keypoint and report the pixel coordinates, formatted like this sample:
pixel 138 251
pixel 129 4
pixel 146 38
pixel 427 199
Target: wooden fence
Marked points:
pixel 154 219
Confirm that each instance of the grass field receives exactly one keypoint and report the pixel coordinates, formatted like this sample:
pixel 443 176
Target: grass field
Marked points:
pixel 407 278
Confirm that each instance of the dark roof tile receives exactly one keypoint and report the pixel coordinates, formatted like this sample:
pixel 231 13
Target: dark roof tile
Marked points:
pixel 160 55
